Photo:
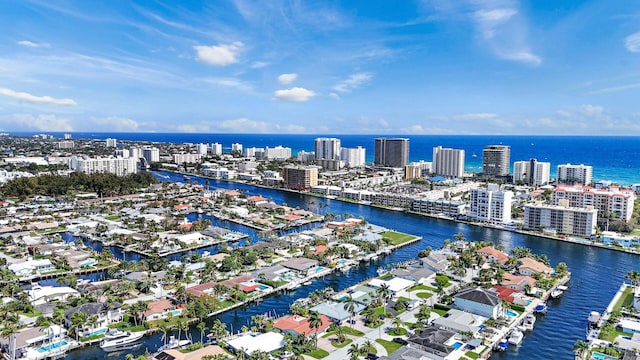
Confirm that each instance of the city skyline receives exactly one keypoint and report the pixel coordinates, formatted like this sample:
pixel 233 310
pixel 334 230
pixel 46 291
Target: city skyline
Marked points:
pixel 423 67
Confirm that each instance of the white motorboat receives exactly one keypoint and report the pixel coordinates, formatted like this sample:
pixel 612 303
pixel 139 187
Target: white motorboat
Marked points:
pixel 117 340
pixel 174 343
pixel 556 293
pixel 529 321
pixel 516 337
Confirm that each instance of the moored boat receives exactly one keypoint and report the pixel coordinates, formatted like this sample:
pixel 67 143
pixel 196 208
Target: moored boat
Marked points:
pixel 516 337
pixel 174 343
pixel 116 340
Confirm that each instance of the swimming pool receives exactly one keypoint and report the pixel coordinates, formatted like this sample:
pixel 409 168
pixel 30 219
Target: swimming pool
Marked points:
pixel 341 261
pixel 52 346
pixel 262 287
pixel 511 313
pixel 343 298
pixel 456 345
pixel 601 356
pixel 319 268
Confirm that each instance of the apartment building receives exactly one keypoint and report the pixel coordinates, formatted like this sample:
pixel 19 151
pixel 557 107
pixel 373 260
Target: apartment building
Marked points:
pixel 613 202
pixel 561 219
pixel 448 162
pixel 582 174
pixel 490 205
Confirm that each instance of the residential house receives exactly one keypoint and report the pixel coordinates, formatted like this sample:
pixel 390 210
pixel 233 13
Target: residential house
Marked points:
pixel 303 266
pixel 436 261
pixel 433 341
pixel 336 310
pixel 528 266
pixel 32 267
pixel 300 325
pixel 417 275
pixel 104 314
pixel 364 295
pixel 273 273
pixel 511 295
pixel 39 295
pixel 493 255
pixel 459 321
pixel 162 309
pixel 479 301
pixel 396 284
pixel 518 282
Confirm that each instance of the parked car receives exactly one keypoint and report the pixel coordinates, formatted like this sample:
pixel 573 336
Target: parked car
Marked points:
pixel 372 356
pixel 400 341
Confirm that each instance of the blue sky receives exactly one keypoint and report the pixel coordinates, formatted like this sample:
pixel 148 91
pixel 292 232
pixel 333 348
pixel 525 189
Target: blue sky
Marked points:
pixel 322 67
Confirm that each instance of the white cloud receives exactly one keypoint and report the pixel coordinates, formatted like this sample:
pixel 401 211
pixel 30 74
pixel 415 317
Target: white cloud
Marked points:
pixel 41 122
pixel 219 55
pixel 36 99
pixel 31 44
pixel 244 125
pixel 298 129
pixel 353 82
pixel 521 56
pixel 489 20
pixel 259 64
pixel 335 96
pixel 295 94
pixel 113 123
pixel 230 82
pixel 475 116
pixel 287 78
pixel 632 42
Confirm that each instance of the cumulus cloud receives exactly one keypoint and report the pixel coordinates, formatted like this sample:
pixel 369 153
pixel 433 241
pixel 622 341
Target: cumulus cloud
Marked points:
pixel 31 44
pixel 23 96
pixel 475 116
pixel 632 42
pixel 295 94
pixel 219 55
pixel 244 125
pixel 353 82
pixel 41 122
pixel 287 78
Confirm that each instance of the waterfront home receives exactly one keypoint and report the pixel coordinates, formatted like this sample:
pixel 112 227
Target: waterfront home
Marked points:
pixel 629 325
pixel 105 314
pixel 436 261
pixel 300 325
pixel 303 266
pixel 211 350
pixel 511 295
pixel 479 301
pixel 273 273
pixel 417 275
pixel 364 295
pixel 39 295
pixel 408 353
pixel 493 255
pixel 636 298
pixel 528 266
pixel 433 341
pixel 202 289
pixel 336 311
pixel 245 282
pixel 517 282
pixel 459 321
pixel 250 343
pixel 629 343
pixel 396 284
pixel 32 267
pixel 162 309
pixel 35 342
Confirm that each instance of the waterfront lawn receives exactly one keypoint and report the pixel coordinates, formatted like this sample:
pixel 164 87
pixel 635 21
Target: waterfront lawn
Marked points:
pixel 422 287
pixel 611 336
pixel 625 300
pixel 385 276
pixel 471 355
pixel 92 337
pixel 273 284
pixel 389 346
pixel 396 238
pixel 317 354
pixel 339 345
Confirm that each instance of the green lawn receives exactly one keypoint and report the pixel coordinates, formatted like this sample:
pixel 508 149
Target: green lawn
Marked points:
pixel 112 218
pixel 341 345
pixel 396 238
pixel 625 300
pixel 440 312
pixel 385 276
pixel 612 336
pixel 424 295
pixel 398 332
pixel 389 346
pixel 318 354
pixel 345 330
pixel 422 287
pixel 471 355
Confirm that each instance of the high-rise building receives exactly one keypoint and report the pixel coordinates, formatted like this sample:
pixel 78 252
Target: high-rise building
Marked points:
pixel 568 173
pixel 122 153
pixel 236 148
pixel 252 151
pixel 202 149
pixel 531 172
pixel 306 157
pixel 216 149
pixel 353 157
pixel 151 155
pixel 67 136
pixel 448 162
pixel 300 177
pixel 327 148
pixel 111 165
pixel 277 153
pixel 613 203
pixel 392 152
pixel 496 160
pixel 490 204
pixel 111 142
pixel 562 219
pixel 186 158
pixel 67 144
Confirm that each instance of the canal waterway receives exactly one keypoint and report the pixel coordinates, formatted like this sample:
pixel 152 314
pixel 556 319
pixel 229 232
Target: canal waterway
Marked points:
pixel 596 273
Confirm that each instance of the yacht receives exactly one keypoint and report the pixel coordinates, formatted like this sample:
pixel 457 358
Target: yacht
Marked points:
pixel 117 340
pixel 502 345
pixel 516 337
pixel 529 321
pixel 556 293
pixel 174 343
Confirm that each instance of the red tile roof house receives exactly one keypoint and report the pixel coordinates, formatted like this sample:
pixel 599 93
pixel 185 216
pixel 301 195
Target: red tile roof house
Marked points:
pixel 299 325
pixel 202 289
pixel 517 282
pixel 511 295
pixel 246 283
pixel 494 255
pixel 161 309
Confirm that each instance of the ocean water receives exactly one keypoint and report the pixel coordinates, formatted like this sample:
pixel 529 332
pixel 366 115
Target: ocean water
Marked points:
pixel 613 158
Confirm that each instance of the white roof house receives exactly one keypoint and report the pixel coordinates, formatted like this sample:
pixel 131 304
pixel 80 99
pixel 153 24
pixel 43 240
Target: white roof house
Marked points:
pixel 395 285
pixel 30 266
pixel 43 294
pixel 266 342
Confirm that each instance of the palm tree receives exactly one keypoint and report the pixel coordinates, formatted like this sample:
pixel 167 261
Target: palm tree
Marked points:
pixel 8 331
pixel 367 347
pixel 354 352
pixel 580 347
pixel 397 324
pixel 340 335
pixel 384 292
pixel 315 322
pixel 350 306
pixel 634 277
pixel 164 328
pixel 202 326
pixel 77 321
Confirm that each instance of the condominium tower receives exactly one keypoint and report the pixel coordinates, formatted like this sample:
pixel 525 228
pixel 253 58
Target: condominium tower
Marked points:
pixel 568 173
pixel 496 160
pixel 392 152
pixel 531 172
pixel 448 162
